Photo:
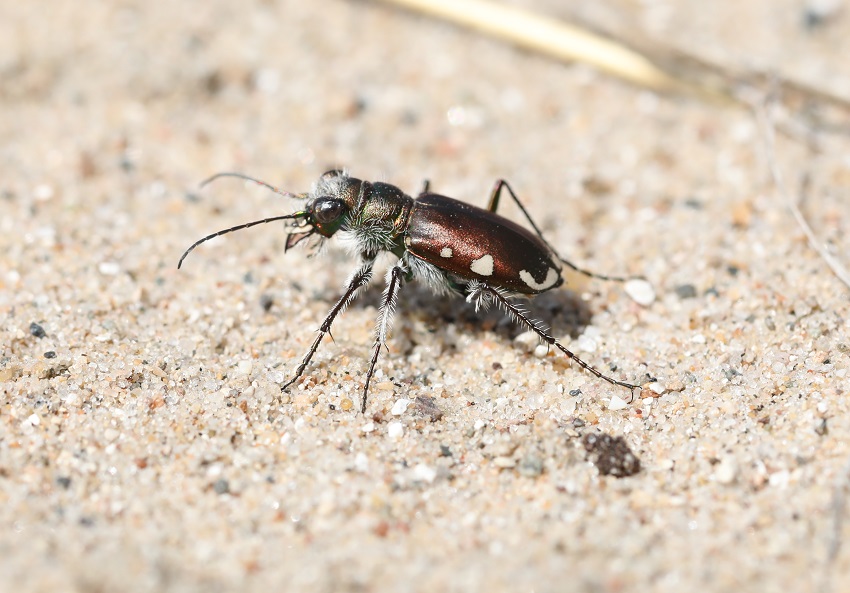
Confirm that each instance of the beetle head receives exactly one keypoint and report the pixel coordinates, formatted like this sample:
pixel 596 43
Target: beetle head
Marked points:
pixel 331 200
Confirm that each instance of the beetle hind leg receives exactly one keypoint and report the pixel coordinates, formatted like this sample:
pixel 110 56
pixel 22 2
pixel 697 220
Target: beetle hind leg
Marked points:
pixel 485 293
pixel 493 205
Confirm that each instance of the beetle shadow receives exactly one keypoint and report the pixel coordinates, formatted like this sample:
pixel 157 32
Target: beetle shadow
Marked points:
pixel 562 311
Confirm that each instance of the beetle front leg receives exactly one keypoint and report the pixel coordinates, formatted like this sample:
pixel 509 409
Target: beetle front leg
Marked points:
pixel 395 278
pixel 357 281
pixel 493 204
pixel 483 291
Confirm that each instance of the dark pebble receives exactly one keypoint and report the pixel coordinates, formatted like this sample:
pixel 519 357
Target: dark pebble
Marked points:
pixel 530 466
pixel 427 406
pixel 50 354
pixel 686 291
pixel 37 330
pixel 611 455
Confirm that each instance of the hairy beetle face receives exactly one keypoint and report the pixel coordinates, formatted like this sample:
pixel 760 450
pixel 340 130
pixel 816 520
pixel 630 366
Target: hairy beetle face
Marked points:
pixel 327 214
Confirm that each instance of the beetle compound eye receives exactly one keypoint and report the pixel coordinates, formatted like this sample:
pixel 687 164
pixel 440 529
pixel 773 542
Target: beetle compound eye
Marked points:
pixel 327 210
pixel 331 174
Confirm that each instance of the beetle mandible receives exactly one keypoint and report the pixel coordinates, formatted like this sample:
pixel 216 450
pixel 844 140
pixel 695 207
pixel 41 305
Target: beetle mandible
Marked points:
pixel 454 247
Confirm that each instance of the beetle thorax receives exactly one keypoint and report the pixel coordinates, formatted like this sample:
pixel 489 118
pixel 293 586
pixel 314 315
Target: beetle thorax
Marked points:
pixel 378 219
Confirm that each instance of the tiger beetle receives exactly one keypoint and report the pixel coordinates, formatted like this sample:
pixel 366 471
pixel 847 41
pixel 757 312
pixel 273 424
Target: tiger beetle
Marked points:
pixel 454 247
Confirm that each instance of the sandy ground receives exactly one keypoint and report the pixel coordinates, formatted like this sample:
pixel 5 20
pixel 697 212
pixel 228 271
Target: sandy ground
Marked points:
pixel 144 441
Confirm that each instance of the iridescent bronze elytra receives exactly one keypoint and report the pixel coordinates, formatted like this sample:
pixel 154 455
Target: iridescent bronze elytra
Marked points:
pixel 452 246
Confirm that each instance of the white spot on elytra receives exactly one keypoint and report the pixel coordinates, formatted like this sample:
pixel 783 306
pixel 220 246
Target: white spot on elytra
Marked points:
pixel 550 280
pixel 446 252
pixel 482 266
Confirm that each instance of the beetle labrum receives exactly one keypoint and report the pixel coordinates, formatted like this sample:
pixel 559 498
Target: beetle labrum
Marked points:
pixel 454 247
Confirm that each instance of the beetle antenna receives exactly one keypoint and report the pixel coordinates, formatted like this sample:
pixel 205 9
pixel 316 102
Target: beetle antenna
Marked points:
pixel 238 228
pixel 281 192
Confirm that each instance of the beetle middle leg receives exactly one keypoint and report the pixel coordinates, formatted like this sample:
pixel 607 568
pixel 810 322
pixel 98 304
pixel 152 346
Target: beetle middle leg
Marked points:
pixel 482 291
pixel 357 281
pixel 493 204
pixel 395 278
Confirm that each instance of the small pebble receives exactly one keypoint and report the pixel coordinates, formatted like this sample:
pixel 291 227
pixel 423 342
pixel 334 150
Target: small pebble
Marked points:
pixel 686 291
pixel 656 387
pixel 617 403
pixel 37 330
pixel 244 368
pixel 585 344
pixel 424 473
pixel 43 192
pixel 675 386
pixel 400 407
pixel 820 12
pixel 727 470
pixel 109 268
pixel 427 406
pixel 527 341
pixel 395 430
pixel 611 455
pixel 780 479
pixel 541 350
pixel 50 354
pixel 266 302
pixel 640 291
pixel 530 466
